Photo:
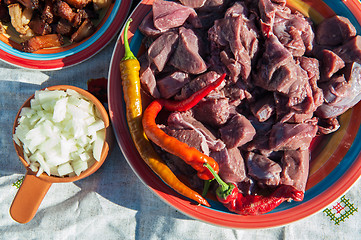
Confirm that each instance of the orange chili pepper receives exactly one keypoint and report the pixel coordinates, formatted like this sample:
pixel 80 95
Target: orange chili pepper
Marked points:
pixel 129 68
pixel 172 145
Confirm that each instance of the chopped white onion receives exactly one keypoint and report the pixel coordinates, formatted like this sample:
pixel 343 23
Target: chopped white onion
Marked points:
pixel 61 133
pixel 60 110
pixel 34 166
pixel 79 166
pixel 65 169
pixel 98 144
pixel 40 171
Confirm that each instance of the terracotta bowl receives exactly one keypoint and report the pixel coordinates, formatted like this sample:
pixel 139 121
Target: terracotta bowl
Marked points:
pixel 33 188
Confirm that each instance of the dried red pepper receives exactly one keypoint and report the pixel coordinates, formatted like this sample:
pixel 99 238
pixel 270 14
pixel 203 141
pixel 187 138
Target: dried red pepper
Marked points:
pixel 228 194
pixel 170 144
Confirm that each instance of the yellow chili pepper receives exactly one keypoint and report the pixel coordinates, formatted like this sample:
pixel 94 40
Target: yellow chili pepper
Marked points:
pixel 129 68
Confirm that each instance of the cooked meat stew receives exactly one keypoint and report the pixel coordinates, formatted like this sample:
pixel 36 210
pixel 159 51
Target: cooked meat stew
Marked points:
pixel 38 21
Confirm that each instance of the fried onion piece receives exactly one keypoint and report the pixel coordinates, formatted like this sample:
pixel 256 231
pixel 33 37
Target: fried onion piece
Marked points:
pixel 85 30
pixel 39 42
pixel 99 4
pixel 20 19
pixel 26 16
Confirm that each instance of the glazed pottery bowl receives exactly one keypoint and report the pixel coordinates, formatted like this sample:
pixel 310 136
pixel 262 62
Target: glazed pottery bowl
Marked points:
pixel 335 162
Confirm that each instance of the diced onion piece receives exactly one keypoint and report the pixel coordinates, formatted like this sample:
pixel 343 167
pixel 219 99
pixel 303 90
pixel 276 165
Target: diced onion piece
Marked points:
pixel 65 169
pixel 79 166
pixel 35 104
pixel 48 105
pixel 67 146
pixel 34 166
pixel 26 158
pixel 89 121
pixel 54 171
pixel 34 119
pixel 60 110
pixel 98 144
pixel 26 150
pixel 85 105
pixel 55 158
pixel 34 138
pixel 48 144
pixel 40 171
pixel 77 112
pixel 46 127
pixel 79 128
pixel 83 141
pixel 37 157
pixel 20 132
pixel 98 125
pixel 16 139
pixel 84 156
pixel 74 93
pixel 47 95
pixel 27 111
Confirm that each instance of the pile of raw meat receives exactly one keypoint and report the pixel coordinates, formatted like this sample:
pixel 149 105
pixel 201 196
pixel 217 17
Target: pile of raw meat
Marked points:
pixel 287 81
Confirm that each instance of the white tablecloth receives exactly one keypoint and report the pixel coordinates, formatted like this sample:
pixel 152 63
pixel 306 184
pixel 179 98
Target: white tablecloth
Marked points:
pixel 113 203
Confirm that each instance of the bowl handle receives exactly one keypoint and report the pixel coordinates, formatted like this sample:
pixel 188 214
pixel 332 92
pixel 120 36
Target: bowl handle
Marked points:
pixel 28 198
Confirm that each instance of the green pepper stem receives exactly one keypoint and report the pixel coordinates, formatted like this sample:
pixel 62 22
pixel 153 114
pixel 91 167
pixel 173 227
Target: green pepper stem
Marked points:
pixel 207 183
pixel 128 53
pixel 223 185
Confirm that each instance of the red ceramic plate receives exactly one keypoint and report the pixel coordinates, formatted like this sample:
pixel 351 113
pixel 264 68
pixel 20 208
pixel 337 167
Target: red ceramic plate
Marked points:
pixel 57 58
pixel 336 160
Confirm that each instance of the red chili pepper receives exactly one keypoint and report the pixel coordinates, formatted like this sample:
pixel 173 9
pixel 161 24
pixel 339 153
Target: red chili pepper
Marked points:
pixel 257 204
pixel 170 144
pixel 186 104
pixel 228 194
